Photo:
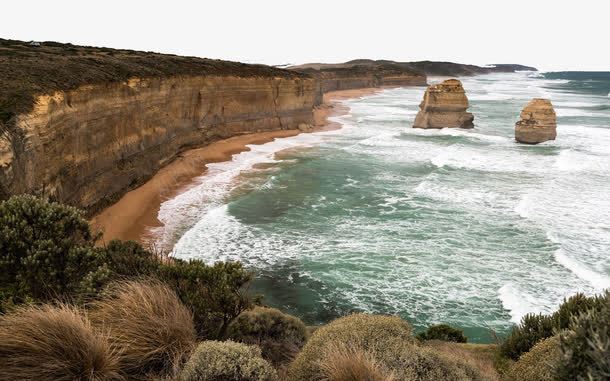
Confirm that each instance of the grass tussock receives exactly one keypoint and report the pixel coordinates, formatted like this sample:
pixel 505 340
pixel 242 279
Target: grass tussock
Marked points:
pixel 478 356
pixel 53 343
pixel 148 325
pixel 345 363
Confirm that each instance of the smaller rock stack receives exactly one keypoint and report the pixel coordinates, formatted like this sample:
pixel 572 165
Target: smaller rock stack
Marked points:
pixel 538 122
pixel 444 105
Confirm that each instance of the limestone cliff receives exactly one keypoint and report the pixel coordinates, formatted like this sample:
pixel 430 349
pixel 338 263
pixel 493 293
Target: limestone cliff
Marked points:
pixel 444 105
pixel 85 140
pixel 538 122
pixel 347 76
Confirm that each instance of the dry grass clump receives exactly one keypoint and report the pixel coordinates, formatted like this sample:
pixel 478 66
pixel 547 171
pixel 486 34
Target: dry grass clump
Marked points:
pixel 479 356
pixel 148 325
pixel 345 363
pixel 218 360
pixel 539 364
pixel 388 340
pixel 53 343
pixel 280 336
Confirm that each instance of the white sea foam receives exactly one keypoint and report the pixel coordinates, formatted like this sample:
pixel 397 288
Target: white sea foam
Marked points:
pixel 598 281
pixel 455 226
pixel 517 302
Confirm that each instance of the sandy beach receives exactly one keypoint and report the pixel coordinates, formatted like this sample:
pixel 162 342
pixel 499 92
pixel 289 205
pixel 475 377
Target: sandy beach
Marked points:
pixel 137 210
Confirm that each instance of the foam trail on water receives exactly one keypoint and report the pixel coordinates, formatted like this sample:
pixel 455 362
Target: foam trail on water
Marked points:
pixel 599 281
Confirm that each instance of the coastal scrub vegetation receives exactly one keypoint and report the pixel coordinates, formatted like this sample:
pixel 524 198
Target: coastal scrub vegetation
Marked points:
pixel 536 327
pixel 216 360
pixel 443 332
pixel 389 343
pixel 539 364
pixel 71 310
pixel 46 252
pixel 280 336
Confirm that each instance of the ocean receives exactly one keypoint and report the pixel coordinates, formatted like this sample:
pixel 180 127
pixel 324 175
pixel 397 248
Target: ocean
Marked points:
pixel 464 227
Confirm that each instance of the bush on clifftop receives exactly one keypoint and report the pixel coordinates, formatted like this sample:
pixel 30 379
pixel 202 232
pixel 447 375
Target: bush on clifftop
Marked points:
pixel 46 252
pixel 586 346
pixel 127 259
pixel 539 364
pixel 280 336
pixel 388 340
pixel 215 294
pixel 534 328
pixel 216 361
pixel 443 332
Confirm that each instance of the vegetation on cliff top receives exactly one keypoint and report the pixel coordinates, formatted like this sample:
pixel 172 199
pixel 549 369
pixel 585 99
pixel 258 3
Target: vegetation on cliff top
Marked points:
pixel 418 67
pixel 28 69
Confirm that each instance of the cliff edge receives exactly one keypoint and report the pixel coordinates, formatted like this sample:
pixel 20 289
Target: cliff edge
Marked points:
pixel 83 125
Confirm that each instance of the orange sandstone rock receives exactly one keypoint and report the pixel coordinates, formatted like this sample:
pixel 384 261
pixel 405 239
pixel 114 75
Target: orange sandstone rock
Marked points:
pixel 538 122
pixel 444 105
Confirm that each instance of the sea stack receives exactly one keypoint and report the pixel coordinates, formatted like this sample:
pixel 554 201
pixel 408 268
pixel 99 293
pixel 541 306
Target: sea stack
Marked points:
pixel 444 105
pixel 538 122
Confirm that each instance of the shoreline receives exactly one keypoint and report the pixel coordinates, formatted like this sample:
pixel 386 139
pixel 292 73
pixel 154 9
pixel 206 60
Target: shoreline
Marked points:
pixel 135 212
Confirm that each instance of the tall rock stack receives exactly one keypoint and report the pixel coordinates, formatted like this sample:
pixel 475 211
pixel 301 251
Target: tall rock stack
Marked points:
pixel 444 105
pixel 538 122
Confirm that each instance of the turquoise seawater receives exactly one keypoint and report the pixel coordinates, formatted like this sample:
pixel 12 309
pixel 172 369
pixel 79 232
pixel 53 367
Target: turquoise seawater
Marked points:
pixel 464 227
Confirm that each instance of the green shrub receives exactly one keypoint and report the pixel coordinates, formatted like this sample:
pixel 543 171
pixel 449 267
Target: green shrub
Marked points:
pixel 388 340
pixel 216 294
pixel 586 347
pixel 534 328
pixel 539 364
pixel 280 336
pixel 46 252
pixel 130 259
pixel 53 343
pixel 572 307
pixel 216 361
pixel 345 363
pixel 443 332
pixel 148 326
pixel 524 336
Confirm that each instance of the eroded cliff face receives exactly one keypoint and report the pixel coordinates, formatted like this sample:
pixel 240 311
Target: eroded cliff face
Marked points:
pixel 88 146
pixel 334 77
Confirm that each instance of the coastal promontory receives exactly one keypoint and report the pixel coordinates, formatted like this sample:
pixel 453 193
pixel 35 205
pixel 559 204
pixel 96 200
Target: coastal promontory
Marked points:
pixel 538 122
pixel 444 105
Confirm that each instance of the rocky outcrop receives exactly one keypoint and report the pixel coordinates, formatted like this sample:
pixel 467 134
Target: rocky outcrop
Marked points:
pixel 88 146
pixel 538 122
pixel 444 105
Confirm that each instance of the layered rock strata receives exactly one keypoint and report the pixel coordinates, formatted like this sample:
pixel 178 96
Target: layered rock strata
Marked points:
pixel 444 105
pixel 349 77
pixel 88 146
pixel 538 122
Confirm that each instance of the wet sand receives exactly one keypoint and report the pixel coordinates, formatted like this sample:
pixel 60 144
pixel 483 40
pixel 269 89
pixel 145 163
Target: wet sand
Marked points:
pixel 131 216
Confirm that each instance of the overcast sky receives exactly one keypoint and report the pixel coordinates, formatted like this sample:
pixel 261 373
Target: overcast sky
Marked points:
pixel 551 35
